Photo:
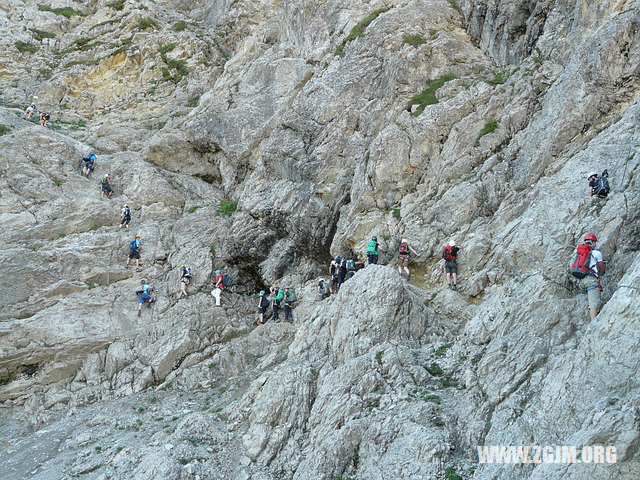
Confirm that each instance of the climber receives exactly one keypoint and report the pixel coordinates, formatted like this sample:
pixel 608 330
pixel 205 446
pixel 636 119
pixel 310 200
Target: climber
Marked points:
pixel 134 251
pixel 105 186
pixel 350 265
pixel 217 290
pixel 44 119
pixel 342 271
pixel 144 296
pixel 333 273
pixel 90 162
pixel 276 299
pixel 372 250
pixel 588 266
pixel 450 255
pixel 263 304
pixel 125 216
pixel 599 186
pixel 405 252
pixel 323 289
pixel 289 298
pixel 185 279
pixel 31 109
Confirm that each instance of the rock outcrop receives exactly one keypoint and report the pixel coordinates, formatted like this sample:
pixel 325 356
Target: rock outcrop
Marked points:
pixel 263 138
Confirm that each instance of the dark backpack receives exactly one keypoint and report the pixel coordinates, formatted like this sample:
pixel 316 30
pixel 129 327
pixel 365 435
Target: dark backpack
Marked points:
pixel 127 212
pixel 404 247
pixel 139 289
pixel 132 246
pixel 351 265
pixel 186 272
pixel 601 185
pixel 581 261
pixel 264 301
pixel 226 280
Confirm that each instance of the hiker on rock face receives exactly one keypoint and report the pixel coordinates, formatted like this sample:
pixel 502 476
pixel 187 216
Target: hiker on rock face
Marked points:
pixel 31 109
pixel 90 163
pixel 217 290
pixel 450 255
pixel 125 216
pixel 134 251
pixel 263 304
pixel 342 271
pixel 599 186
pixel 405 250
pixel 333 272
pixel 323 289
pixel 288 299
pixel 144 295
pixel 372 250
pixel 185 279
pixel 44 119
pixel 105 186
pixel 588 266
pixel 277 296
pixel 350 265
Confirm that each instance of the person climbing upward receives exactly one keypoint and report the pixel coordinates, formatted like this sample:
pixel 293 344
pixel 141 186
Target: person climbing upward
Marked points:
pixel 185 279
pixel 31 109
pixel 342 271
pixel 405 250
pixel 323 289
pixel 350 265
pixel 44 119
pixel 105 186
pixel 263 304
pixel 90 163
pixel 588 266
pixel 288 299
pixel 276 300
pixel 143 291
pixel 372 250
pixel 125 216
pixel 135 247
pixel 219 286
pixel 450 255
pixel 599 186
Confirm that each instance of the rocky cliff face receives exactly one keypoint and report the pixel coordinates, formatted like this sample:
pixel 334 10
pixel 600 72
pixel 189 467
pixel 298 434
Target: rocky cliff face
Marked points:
pixel 262 137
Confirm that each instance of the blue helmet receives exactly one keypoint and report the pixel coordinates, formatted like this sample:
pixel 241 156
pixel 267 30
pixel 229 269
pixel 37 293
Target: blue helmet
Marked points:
pixel 262 292
pixel 217 271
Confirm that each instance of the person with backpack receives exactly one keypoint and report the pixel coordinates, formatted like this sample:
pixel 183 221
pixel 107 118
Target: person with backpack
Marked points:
pixel 588 266
pixel 219 286
pixel 125 216
pixel 372 250
pixel 599 186
pixel 277 296
pixel 342 271
pixel 450 255
pixel 289 297
pixel 90 162
pixel 185 279
pixel 105 186
pixel 405 250
pixel 134 251
pixel 351 268
pixel 44 119
pixel 263 304
pixel 143 291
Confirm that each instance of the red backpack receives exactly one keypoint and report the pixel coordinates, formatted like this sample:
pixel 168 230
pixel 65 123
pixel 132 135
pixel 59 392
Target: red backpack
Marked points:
pixel 404 247
pixel 581 261
pixel 446 254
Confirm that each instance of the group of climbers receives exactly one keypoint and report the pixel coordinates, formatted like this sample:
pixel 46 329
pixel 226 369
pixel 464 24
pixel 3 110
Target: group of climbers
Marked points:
pixel 342 269
pixel 279 298
pixel 31 110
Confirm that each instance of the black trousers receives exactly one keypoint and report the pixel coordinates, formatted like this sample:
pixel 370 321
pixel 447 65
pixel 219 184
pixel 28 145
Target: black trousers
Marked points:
pixel 373 259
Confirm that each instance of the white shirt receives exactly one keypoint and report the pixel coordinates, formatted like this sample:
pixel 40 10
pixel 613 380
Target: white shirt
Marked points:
pixel 596 257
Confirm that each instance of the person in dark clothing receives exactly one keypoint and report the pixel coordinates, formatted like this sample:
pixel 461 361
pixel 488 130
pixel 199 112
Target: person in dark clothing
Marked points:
pixel 373 248
pixel 333 272
pixel 288 303
pixel 450 255
pixel 263 304
pixel 342 271
pixel 276 300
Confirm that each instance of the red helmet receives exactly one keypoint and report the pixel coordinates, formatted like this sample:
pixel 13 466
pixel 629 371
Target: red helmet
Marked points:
pixel 590 237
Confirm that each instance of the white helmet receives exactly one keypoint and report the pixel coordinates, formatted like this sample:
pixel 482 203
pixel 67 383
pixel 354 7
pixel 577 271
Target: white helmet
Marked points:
pixel 404 240
pixel 452 243
pixel 592 174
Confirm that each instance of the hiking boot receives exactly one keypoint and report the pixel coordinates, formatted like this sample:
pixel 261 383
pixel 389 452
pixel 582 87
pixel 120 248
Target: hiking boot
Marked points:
pixel 455 287
pixel 139 312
